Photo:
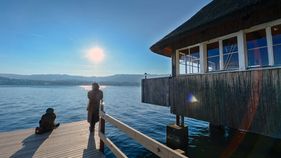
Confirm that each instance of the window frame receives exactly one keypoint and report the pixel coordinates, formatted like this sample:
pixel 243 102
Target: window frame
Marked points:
pixel 275 45
pixel 189 67
pixel 213 56
pixel 261 47
pixel 231 53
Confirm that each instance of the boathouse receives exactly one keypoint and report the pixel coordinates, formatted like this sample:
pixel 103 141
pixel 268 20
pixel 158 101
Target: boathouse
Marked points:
pixel 226 67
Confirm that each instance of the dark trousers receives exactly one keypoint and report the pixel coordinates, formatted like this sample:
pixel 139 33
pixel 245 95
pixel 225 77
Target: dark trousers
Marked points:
pixel 93 122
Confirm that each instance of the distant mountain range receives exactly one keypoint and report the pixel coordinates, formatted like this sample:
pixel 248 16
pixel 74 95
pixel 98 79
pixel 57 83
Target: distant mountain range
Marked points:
pixel 56 79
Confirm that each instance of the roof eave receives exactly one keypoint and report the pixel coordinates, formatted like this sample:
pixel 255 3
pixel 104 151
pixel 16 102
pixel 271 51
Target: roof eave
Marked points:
pixel 245 18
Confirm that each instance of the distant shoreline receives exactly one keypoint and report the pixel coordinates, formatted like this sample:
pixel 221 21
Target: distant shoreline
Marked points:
pixel 65 85
pixel 68 80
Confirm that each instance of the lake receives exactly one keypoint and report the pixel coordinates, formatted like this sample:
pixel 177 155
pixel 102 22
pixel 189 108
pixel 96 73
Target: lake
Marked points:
pixel 22 107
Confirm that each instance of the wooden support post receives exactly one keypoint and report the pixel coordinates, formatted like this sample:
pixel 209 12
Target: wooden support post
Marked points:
pixel 175 64
pixel 221 55
pixel 276 147
pixel 182 120
pixel 101 129
pixel 177 136
pixel 203 57
pixel 242 50
pixel 216 132
pixel 177 120
pixel 269 46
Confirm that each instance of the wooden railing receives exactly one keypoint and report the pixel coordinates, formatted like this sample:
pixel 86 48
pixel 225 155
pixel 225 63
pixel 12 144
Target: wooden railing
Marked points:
pixel 154 146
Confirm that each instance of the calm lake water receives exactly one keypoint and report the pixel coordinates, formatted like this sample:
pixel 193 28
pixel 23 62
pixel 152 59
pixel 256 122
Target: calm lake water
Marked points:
pixel 22 107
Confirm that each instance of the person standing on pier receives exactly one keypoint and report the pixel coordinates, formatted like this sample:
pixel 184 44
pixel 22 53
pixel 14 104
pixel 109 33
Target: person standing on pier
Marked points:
pixel 95 97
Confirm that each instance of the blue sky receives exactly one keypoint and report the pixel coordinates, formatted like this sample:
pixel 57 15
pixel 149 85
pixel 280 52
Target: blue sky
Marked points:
pixel 52 36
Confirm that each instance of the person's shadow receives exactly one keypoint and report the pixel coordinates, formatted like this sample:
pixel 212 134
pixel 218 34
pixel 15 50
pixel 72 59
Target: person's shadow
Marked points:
pixel 30 145
pixel 91 147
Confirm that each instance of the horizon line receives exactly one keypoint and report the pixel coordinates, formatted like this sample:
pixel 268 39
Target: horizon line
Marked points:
pixel 77 75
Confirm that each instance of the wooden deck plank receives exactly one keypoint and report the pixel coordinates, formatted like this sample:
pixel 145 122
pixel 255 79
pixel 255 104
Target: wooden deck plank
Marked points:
pixel 14 140
pixel 69 140
pixel 55 135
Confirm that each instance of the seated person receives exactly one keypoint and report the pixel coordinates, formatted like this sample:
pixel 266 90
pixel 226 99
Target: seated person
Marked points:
pixel 47 122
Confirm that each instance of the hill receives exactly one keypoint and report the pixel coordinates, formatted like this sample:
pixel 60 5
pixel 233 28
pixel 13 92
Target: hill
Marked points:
pixel 58 79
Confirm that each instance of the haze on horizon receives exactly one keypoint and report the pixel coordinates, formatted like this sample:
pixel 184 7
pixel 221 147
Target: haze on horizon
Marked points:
pixel 88 38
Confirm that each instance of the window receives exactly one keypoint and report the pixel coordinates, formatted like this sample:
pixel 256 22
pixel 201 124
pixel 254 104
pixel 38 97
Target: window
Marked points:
pixel 223 54
pixel 257 48
pixel 213 57
pixel 194 60
pixel 230 54
pixel 276 41
pixel 189 61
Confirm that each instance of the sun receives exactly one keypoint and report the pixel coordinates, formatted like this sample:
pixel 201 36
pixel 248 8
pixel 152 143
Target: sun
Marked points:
pixel 95 55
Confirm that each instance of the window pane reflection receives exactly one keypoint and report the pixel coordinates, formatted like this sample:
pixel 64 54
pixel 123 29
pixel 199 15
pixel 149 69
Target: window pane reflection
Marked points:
pixel 231 61
pixel 189 61
pixel 213 56
pixel 213 64
pixel 230 54
pixel 258 57
pixel 257 48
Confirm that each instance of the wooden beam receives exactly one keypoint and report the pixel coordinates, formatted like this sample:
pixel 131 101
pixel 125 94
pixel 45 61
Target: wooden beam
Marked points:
pixel 175 64
pixel 269 46
pixel 154 146
pixel 203 57
pixel 178 120
pixel 242 50
pixel 115 150
pixel 182 121
pixel 101 128
pixel 221 55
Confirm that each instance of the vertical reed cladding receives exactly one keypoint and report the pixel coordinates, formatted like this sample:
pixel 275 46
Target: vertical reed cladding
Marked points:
pixel 249 100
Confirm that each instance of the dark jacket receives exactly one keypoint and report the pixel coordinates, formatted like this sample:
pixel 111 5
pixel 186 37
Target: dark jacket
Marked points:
pixel 47 121
pixel 95 98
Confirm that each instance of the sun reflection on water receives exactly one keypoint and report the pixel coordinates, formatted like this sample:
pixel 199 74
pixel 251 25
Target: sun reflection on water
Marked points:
pixel 89 87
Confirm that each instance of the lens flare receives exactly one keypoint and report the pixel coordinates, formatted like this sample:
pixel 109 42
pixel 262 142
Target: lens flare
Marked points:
pixel 191 98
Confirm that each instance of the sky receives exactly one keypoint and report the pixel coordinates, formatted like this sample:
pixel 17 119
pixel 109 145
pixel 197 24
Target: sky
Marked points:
pixel 88 37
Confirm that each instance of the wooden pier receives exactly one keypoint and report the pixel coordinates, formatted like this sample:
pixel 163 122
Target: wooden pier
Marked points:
pixel 69 140
pixel 75 140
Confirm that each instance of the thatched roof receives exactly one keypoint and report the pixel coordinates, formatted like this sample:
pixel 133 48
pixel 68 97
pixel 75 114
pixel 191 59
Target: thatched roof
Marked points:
pixel 218 18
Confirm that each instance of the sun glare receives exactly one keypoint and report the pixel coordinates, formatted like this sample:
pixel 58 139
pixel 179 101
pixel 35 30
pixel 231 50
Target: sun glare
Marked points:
pixel 95 55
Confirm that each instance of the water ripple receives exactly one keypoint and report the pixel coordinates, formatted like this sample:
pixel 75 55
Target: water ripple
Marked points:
pixel 22 107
